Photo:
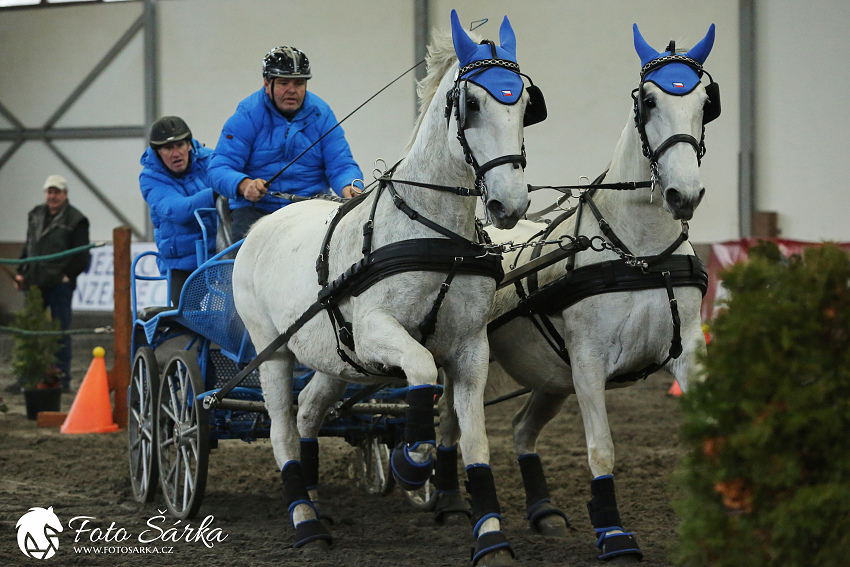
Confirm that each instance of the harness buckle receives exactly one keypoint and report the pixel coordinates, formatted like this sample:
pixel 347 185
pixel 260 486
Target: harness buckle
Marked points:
pixel 464 191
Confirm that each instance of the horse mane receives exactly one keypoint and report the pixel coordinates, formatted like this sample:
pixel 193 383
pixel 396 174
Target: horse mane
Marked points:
pixel 440 58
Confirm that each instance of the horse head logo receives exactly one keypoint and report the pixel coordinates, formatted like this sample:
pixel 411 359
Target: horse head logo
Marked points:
pixel 38 533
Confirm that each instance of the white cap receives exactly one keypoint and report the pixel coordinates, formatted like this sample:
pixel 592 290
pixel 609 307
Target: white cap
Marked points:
pixel 56 181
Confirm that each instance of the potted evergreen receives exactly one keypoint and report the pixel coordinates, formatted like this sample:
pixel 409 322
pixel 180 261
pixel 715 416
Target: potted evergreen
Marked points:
pixel 33 360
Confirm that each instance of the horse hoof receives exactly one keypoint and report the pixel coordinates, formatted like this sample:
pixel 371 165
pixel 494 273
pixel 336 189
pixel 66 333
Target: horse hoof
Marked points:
pixel 546 519
pixel 498 558
pixel 551 526
pixel 451 510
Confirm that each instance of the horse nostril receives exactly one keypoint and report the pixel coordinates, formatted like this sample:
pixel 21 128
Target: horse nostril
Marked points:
pixel 673 198
pixel 496 209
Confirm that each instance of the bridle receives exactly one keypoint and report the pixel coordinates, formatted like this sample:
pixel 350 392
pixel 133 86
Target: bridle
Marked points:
pixel 711 110
pixel 456 99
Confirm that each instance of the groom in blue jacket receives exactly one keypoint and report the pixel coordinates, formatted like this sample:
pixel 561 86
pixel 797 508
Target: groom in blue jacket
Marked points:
pixel 270 128
pixel 174 184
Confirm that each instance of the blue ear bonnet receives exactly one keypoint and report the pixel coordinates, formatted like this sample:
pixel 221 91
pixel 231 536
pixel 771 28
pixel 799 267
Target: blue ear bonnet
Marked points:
pixel 503 84
pixel 674 78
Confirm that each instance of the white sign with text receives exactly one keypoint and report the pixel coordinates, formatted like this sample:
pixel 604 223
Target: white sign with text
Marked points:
pixel 95 287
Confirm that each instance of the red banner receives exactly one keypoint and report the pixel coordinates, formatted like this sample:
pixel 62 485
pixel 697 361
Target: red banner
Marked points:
pixel 725 254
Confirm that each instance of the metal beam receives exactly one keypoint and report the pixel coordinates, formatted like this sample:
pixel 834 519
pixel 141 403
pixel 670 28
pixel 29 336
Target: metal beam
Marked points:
pixel 747 117
pixel 7 155
pixel 421 25
pixel 78 133
pixel 151 63
pixel 93 188
pixel 7 114
pixel 95 73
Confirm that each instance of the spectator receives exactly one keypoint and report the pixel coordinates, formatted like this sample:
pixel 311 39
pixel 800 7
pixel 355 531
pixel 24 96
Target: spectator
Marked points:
pixel 173 181
pixel 272 127
pixel 56 227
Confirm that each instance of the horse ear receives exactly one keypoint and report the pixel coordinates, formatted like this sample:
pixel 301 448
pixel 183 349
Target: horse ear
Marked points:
pixel 700 51
pixel 644 50
pixel 507 39
pixel 464 46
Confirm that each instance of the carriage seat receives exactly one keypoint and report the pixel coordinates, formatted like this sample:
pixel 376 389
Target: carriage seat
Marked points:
pixel 224 232
pixel 148 313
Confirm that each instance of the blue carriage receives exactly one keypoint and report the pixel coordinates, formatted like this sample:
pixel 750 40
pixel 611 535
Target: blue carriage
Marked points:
pixel 183 354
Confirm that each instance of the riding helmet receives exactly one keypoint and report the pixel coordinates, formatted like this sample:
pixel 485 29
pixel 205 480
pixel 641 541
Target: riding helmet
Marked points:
pixel 169 129
pixel 286 63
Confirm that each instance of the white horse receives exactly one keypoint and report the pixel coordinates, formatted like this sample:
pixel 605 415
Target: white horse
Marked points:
pixel 614 333
pixel 274 282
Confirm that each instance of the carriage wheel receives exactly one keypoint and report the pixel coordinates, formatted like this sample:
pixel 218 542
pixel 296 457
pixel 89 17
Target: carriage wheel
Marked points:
pixel 141 438
pixel 182 433
pixel 375 474
pixel 423 498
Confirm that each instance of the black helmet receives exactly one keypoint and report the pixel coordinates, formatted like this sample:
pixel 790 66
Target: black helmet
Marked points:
pixel 169 129
pixel 286 63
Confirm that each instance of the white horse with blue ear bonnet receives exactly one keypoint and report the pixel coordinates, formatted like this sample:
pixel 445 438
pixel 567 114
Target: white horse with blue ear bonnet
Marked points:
pixel 576 333
pixel 376 324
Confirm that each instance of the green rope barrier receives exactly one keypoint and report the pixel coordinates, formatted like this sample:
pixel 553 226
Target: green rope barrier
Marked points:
pixel 47 257
pixel 28 333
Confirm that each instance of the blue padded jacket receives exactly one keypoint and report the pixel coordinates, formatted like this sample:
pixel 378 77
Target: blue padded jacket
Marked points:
pixel 172 200
pixel 258 141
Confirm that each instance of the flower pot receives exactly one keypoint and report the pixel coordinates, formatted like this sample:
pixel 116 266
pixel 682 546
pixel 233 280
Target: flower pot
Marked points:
pixel 42 399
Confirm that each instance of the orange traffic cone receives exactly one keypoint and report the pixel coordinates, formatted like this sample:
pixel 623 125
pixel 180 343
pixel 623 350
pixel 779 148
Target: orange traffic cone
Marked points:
pixel 91 411
pixel 674 390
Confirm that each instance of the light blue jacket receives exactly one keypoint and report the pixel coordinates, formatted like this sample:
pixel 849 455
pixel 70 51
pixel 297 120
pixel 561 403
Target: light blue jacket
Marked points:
pixel 258 141
pixel 172 200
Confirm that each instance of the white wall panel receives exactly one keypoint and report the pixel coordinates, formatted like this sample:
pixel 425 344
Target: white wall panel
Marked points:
pixel 212 50
pixel 802 140
pixel 579 52
pixel 44 55
pixel 582 56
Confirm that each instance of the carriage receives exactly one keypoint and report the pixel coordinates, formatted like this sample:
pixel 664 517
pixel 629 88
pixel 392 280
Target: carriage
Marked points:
pixel 183 354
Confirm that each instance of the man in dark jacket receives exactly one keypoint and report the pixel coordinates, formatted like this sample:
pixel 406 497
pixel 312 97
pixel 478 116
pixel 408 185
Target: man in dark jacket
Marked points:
pixel 271 128
pixel 56 227
pixel 174 184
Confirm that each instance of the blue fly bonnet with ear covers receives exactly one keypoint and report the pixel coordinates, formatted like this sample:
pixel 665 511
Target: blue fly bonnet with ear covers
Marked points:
pixel 674 78
pixel 502 83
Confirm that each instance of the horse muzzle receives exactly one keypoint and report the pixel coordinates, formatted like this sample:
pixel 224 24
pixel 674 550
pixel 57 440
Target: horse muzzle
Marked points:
pixel 504 217
pixel 682 205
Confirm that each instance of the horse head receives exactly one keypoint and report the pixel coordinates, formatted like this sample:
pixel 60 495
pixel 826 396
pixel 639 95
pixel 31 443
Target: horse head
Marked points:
pixel 489 103
pixel 671 107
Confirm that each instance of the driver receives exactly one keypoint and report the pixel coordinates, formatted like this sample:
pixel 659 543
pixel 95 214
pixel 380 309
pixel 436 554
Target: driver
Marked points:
pixel 270 128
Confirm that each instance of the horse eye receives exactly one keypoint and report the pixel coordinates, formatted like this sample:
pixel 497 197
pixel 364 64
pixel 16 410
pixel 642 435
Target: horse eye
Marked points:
pixel 472 104
pixel 649 102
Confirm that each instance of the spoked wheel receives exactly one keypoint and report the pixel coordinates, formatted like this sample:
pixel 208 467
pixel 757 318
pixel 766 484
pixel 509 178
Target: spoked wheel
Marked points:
pixel 182 433
pixel 375 474
pixel 141 437
pixel 423 498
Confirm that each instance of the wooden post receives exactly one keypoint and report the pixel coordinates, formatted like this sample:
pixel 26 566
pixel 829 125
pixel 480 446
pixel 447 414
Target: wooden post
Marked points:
pixel 119 376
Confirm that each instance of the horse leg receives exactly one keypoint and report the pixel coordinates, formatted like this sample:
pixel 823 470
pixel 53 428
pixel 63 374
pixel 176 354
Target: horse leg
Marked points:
pixel 467 371
pixel 612 540
pixel 313 402
pixel 382 339
pixel 275 378
pixel 450 508
pixel 539 409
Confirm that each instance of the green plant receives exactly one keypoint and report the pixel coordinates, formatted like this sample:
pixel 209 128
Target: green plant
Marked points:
pixel 766 481
pixel 35 354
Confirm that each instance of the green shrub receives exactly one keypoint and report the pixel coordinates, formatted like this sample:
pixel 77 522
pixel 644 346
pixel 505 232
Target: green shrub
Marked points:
pixel 34 354
pixel 766 481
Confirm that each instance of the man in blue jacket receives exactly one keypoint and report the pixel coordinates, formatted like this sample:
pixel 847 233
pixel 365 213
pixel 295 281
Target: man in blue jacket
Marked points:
pixel 269 130
pixel 174 184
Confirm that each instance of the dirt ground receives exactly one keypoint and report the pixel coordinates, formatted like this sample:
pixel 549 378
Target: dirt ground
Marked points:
pixel 87 475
